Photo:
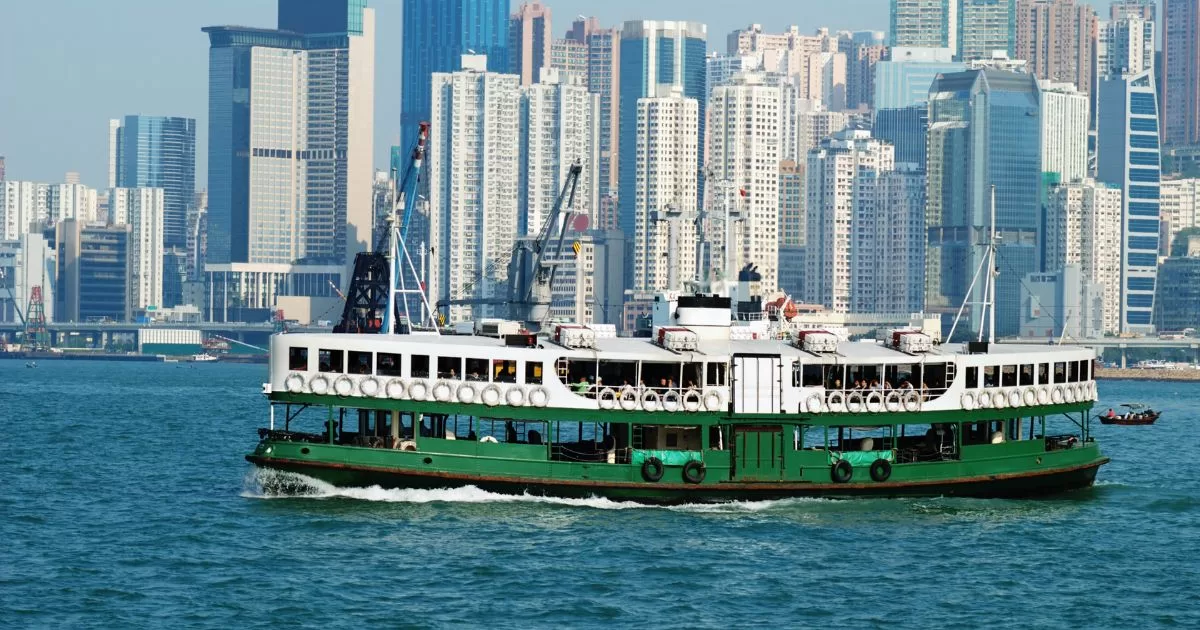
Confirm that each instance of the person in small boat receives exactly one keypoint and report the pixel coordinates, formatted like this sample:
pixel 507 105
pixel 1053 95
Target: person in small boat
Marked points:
pixel 1111 414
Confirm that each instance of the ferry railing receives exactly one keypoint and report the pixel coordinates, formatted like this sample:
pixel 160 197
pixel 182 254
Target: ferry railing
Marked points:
pixel 625 390
pixel 576 452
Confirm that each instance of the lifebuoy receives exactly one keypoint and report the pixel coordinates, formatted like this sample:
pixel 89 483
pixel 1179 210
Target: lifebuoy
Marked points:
pixel 1014 398
pixel 691 400
pixel 814 403
pixel 369 386
pixel 893 403
pixel 466 393
pixel 841 471
pixel 343 386
pixel 650 400
pixel 539 397
pixel 487 439
pixel 912 401
pixel 607 398
pixel 881 469
pixel 693 471
pixel 1081 393
pixel 670 401
pixel 1056 395
pixel 874 401
pixel 515 396
pixel 294 383
pixel 854 402
pixel 418 390
pixel 395 389
pixel 491 395
pixel 836 401
pixel 985 399
pixel 712 400
pixel 1070 394
pixel 1043 395
pixel 1000 399
pixel 443 391
pixel 629 398
pixel 653 469
pixel 1030 396
pixel 408 445
pixel 318 385
pixel 968 401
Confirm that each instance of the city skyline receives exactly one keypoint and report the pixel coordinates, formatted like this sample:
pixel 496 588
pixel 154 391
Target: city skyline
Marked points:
pixel 41 136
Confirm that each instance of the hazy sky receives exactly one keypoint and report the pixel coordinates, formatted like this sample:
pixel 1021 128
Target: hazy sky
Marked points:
pixel 67 66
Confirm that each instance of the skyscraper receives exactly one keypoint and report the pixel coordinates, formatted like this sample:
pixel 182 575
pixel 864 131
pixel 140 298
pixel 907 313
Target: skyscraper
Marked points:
pixel 143 210
pixel 1181 72
pixel 904 128
pixel 1180 210
pixel 436 34
pixel 792 225
pixel 924 24
pixel 903 79
pixel 1057 38
pixel 22 206
pixel 1124 44
pixel 529 41
pixel 1127 155
pixel 1083 227
pixel 984 131
pixel 1140 8
pixel 159 152
pixel 290 153
pixel 986 26
pixel 1064 131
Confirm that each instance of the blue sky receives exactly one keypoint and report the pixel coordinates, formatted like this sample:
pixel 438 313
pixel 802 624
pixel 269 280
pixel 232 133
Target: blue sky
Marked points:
pixel 67 66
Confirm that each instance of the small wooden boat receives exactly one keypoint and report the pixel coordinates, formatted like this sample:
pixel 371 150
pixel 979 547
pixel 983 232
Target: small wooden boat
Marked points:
pixel 31 364
pixel 1136 414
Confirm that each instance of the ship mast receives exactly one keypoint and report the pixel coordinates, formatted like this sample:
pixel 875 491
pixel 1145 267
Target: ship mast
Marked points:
pixel 989 287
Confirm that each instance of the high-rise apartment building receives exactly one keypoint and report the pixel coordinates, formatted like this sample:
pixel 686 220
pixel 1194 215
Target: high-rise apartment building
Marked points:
pixel 1127 155
pixel 1124 45
pixel 984 130
pixel 23 205
pixel 1181 72
pixel 1083 227
pixel 289 153
pixel 529 41
pixel 159 152
pixel 986 26
pixel 71 201
pixel 143 210
pixel 474 165
pixel 888 260
pixel 1180 199
pixel 436 34
pixel 793 232
pixel 665 190
pixel 1143 9
pixel 813 124
pixel 114 148
pixel 1064 111
pixel 861 61
pixel 1057 38
pixel 745 146
pixel 924 24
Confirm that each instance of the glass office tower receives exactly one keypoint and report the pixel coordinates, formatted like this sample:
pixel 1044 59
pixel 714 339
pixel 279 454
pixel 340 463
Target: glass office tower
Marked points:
pixel 160 152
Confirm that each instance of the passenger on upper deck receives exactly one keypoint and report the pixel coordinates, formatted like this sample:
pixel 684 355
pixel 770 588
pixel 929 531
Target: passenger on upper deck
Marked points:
pixel 582 386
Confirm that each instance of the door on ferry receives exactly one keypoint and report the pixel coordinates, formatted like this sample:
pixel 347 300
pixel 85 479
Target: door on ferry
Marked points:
pixel 757 383
pixel 758 453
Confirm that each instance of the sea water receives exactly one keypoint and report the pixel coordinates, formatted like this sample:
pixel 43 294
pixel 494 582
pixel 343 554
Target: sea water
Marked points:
pixel 125 501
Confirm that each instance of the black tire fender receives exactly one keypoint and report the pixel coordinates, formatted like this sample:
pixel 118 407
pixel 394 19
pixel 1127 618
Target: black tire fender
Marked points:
pixel 881 470
pixel 842 471
pixel 653 469
pixel 693 471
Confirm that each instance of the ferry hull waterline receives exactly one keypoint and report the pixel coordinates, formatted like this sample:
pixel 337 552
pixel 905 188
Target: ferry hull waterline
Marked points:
pixel 706 410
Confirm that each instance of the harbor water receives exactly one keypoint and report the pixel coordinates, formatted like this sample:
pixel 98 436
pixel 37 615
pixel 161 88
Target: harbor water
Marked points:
pixel 125 502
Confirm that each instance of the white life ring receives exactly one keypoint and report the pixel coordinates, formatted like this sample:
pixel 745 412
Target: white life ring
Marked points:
pixel 854 402
pixel 487 439
pixel 1092 390
pixel 343 386
pixel 691 400
pixel 1030 396
pixel 418 390
pixel 1056 395
pixel 466 393
pixel 395 389
pixel 912 401
pixel 874 401
pixel 607 398
pixel 813 403
pixel 967 401
pixel 713 401
pixel 1081 394
pixel 294 382
pixel 836 401
pixel 985 399
pixel 408 445
pixel 1043 395
pixel 671 401
pixel 319 385
pixel 491 395
pixel 539 397
pixel 650 400
pixel 892 402
pixel 515 396
pixel 369 386
pixel 1014 398
pixel 628 399
pixel 1000 399
pixel 443 391
pixel 1069 394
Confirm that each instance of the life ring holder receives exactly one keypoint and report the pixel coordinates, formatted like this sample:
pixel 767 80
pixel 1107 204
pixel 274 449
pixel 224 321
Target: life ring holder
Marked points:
pixel 466 393
pixel 294 382
pixel 515 396
pixel 893 402
pixel 651 400
pixel 491 395
pixel 672 401
pixel 692 401
pixel 912 401
pixel 539 397
pixel 442 391
pixel 713 400
pixel 836 401
pixel 318 385
pixel 628 398
pixel 607 398
pixel 854 402
pixel 813 403
pixel 369 387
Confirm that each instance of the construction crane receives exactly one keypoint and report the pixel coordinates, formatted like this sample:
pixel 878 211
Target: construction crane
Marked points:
pixel 532 262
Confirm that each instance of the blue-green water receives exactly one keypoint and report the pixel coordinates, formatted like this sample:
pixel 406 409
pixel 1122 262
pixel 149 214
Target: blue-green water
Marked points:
pixel 125 501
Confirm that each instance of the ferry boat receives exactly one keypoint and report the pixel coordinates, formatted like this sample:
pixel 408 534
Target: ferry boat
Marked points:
pixel 707 409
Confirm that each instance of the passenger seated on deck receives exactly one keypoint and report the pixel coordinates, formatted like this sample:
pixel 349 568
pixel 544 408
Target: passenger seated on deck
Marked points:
pixel 510 433
pixel 534 437
pixel 1111 413
pixel 581 387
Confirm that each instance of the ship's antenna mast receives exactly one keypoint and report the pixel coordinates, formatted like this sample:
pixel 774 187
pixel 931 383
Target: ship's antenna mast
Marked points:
pixel 989 290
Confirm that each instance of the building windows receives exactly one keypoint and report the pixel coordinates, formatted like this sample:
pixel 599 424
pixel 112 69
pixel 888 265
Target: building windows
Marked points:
pixel 1143 209
pixel 1138 317
pixel 1143 124
pixel 1142 104
pixel 1143 142
pixel 1143 192
pixel 1143 260
pixel 1144 158
pixel 1140 284
pixel 1145 226
pixel 1143 242
pixel 1143 175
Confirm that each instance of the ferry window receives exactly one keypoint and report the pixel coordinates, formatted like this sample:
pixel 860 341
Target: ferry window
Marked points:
pixel 1043 373
pixel 1072 371
pixel 691 375
pixel 504 371
pixel 533 373
pixel 989 376
pixel 297 358
pixel 617 374
pixel 580 370
pixel 331 360
pixel 1008 376
pixel 477 370
pixel 1085 369
pixel 934 377
pixel 866 374
pixel 660 375
pixel 715 374
pixel 833 376
pixel 1027 374
pixel 387 364
pixel 813 376
pixel 1060 372
pixel 419 367
pixel 972 377
pixel 360 362
pixel 449 367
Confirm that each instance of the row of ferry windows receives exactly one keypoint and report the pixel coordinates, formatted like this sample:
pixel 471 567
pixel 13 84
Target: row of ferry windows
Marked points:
pixel 420 365
pixel 1018 375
